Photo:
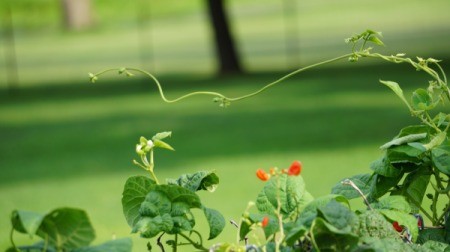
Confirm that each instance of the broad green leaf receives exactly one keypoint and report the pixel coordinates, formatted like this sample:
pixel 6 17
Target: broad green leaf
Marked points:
pixel 421 100
pixel 202 180
pixel 383 167
pixel 413 130
pixel 134 192
pixel 404 154
pixel 288 189
pixel 119 245
pixel 362 181
pixel 372 224
pixel 155 203
pixel 328 238
pixel 309 212
pixel 431 234
pixel 162 135
pixel 393 202
pixel 381 186
pixel 435 246
pixel 413 188
pixel 337 215
pixel 397 90
pixel 67 228
pixel 404 139
pixel 387 244
pixel 26 222
pixel 149 227
pixel 216 222
pixel 441 158
pixel 293 232
pixel 177 193
pixel 404 219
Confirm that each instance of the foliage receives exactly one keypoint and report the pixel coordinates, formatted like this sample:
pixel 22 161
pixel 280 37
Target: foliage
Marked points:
pixel 153 209
pixel 63 229
pixel 414 163
pixel 416 160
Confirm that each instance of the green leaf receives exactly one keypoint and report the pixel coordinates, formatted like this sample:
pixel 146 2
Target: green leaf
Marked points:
pixel 337 215
pixel 441 158
pixel 289 189
pixel 162 135
pixel 67 228
pixel 421 100
pixel 119 245
pixel 309 212
pixel 161 144
pixel 149 227
pixel 134 192
pixel 381 186
pixel 372 224
pixel 216 222
pixel 26 222
pixel 436 141
pixel 362 181
pixel 397 90
pixel 435 246
pixel 293 233
pixel 395 202
pixel 404 139
pixel 404 154
pixel 383 167
pixel 177 193
pixel 328 238
pixel 387 244
pixel 431 234
pixel 375 40
pixel 202 180
pixel 413 188
pixel 404 219
pixel 155 203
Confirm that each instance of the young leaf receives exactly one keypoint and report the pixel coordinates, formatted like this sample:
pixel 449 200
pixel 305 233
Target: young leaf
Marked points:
pixel 162 135
pixel 67 228
pixel 421 100
pixel 26 222
pixel 215 220
pixel 160 144
pixel 397 90
pixel 134 192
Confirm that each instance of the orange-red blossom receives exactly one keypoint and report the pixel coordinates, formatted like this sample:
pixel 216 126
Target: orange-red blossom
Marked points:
pixel 294 170
pixel 261 174
pixel 265 222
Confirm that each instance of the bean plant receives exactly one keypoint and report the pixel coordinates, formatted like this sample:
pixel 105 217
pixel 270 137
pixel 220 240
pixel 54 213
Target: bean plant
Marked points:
pixel 406 193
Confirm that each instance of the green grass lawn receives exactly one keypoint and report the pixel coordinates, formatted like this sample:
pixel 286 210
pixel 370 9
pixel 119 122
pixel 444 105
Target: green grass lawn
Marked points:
pixel 66 142
pixel 73 146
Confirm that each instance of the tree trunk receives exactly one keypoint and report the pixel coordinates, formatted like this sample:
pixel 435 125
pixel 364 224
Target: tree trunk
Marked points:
pixel 77 14
pixel 224 44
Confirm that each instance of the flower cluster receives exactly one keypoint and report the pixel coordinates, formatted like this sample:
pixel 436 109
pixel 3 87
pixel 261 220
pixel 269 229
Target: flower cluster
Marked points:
pixel 294 170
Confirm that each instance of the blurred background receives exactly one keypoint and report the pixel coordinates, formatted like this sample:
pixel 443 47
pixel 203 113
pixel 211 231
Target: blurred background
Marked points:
pixel 67 142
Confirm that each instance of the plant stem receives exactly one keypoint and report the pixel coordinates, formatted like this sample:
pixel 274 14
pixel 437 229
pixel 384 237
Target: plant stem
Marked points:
pixel 198 246
pixel 175 245
pixel 11 239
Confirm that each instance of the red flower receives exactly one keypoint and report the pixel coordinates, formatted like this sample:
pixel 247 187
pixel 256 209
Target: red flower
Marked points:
pixel 261 174
pixel 397 227
pixel 295 168
pixel 265 222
